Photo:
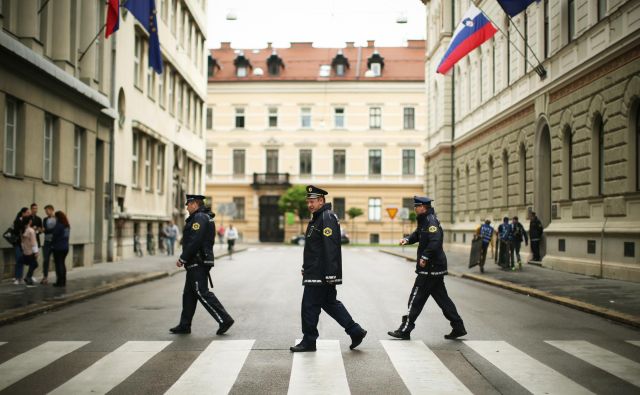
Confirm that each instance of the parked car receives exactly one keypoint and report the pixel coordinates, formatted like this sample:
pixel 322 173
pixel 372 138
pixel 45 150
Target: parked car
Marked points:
pixel 299 239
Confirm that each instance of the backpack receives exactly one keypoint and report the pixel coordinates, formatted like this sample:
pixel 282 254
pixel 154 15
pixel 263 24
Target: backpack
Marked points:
pixel 11 236
pixel 517 231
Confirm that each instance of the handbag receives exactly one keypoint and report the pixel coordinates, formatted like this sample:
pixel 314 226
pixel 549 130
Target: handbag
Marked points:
pixel 11 236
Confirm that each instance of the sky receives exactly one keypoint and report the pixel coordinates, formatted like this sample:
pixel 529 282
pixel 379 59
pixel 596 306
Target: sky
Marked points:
pixel 326 23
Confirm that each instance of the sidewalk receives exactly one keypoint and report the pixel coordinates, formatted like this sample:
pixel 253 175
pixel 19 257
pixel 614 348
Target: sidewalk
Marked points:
pixel 613 299
pixel 19 302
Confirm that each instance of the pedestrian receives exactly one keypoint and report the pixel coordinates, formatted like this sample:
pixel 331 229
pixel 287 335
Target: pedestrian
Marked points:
pixel 431 267
pixel 221 232
pixel 18 228
pixel 30 249
pixel 48 225
pixel 321 272
pixel 197 258
pixel 486 233
pixel 231 235
pixel 37 223
pixel 519 234
pixel 171 234
pixel 535 234
pixel 60 247
pixel 505 237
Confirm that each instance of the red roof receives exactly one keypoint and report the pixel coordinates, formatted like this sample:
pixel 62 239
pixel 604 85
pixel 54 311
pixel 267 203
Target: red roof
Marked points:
pixel 302 62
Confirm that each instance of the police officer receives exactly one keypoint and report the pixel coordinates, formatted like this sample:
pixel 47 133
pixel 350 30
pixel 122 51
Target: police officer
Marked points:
pixel 431 267
pixel 321 272
pixel 535 234
pixel 197 258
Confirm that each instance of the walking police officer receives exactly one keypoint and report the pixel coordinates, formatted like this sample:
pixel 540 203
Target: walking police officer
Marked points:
pixel 321 272
pixel 197 258
pixel 431 267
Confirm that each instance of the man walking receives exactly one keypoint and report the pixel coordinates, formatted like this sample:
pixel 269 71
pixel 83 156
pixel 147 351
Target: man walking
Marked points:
pixel 486 233
pixel 519 234
pixel 321 272
pixel 171 234
pixel 535 234
pixel 48 224
pixel 505 251
pixel 197 258
pixel 232 236
pixel 431 267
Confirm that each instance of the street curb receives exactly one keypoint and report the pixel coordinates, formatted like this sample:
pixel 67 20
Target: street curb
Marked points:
pixel 49 305
pixel 612 315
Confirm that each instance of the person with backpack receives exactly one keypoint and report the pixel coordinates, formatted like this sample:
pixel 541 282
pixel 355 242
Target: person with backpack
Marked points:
pixel 17 245
pixel 519 234
pixel 30 250
pixel 505 237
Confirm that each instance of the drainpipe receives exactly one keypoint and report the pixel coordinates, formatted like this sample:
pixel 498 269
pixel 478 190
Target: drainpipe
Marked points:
pixel 110 256
pixel 604 224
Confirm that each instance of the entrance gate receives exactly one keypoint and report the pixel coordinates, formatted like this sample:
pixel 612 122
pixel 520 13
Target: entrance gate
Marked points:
pixel 271 220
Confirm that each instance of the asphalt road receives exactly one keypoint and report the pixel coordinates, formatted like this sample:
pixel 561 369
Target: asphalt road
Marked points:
pixel 119 343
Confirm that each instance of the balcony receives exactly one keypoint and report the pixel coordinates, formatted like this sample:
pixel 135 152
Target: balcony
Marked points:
pixel 261 180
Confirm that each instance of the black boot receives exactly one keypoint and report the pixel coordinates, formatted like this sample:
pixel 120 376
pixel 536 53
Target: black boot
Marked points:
pixel 356 339
pixel 401 333
pixel 301 347
pixel 225 326
pixel 180 330
pixel 456 333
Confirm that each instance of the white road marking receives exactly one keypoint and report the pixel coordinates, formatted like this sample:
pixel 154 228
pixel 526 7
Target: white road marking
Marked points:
pixel 420 369
pixel 606 360
pixel 33 360
pixel 215 370
pixel 112 369
pixel 530 373
pixel 320 372
pixel 634 342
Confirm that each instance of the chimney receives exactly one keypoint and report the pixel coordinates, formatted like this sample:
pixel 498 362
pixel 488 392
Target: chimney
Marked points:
pixel 225 45
pixel 349 44
pixel 416 43
pixel 301 45
pixel 269 45
pixel 370 43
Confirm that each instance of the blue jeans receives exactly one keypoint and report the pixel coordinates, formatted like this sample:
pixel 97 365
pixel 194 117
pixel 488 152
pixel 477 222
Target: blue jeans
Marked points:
pixel 171 241
pixel 46 255
pixel 19 267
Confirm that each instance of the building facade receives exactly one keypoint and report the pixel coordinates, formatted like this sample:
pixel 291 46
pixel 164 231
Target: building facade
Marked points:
pixel 350 120
pixel 502 141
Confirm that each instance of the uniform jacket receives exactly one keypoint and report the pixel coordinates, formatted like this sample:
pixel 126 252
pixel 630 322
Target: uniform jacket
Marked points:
pixel 322 250
pixel 198 238
pixel 535 229
pixel 429 234
pixel 519 233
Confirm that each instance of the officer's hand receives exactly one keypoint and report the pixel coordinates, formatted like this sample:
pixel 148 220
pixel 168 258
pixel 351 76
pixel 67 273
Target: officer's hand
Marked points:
pixel 403 242
pixel 302 272
pixel 422 262
pixel 178 263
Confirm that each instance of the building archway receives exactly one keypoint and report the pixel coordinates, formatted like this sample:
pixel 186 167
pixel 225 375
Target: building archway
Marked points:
pixel 542 173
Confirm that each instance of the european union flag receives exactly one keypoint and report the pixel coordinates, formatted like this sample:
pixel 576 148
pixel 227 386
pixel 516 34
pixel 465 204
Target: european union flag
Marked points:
pixel 514 7
pixel 145 12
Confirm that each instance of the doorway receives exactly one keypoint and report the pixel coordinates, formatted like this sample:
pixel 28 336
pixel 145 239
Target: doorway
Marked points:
pixel 542 179
pixel 271 220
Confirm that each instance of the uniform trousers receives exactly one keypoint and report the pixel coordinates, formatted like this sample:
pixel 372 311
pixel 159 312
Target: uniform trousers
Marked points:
pixel 196 288
pixel 535 249
pixel 426 286
pixel 323 297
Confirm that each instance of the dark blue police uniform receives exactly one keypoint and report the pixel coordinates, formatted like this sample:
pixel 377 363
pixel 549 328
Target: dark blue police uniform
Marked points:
pixel 430 279
pixel 321 272
pixel 197 257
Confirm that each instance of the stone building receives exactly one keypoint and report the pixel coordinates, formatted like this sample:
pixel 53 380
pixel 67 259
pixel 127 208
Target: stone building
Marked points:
pixel 350 120
pixel 502 141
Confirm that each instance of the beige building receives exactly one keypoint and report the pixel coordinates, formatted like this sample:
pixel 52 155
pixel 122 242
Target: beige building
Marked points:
pixel 565 146
pixel 348 120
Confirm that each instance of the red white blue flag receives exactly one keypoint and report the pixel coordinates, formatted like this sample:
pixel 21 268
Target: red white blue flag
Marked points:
pixel 113 17
pixel 474 29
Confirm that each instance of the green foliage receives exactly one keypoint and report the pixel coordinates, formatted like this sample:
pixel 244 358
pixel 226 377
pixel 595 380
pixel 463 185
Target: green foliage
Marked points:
pixel 295 200
pixel 354 212
pixel 413 216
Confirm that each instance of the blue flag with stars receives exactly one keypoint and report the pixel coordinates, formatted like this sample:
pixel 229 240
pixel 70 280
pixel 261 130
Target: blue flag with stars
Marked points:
pixel 145 12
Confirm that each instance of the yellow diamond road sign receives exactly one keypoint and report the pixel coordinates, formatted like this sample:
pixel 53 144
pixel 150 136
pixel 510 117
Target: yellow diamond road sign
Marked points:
pixel 392 211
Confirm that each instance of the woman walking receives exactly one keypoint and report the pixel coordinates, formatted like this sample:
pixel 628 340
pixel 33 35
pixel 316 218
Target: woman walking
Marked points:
pixel 30 250
pixel 18 227
pixel 60 247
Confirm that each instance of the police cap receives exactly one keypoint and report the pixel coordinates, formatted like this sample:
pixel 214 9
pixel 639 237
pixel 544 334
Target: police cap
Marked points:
pixel 420 200
pixel 315 192
pixel 191 198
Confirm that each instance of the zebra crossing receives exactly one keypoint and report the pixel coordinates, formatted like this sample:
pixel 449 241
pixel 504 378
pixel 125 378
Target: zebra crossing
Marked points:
pixel 217 368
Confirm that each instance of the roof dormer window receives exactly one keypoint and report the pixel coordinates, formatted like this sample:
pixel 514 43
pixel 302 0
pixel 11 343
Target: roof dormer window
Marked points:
pixel 375 64
pixel 340 64
pixel 242 65
pixel 274 64
pixel 212 65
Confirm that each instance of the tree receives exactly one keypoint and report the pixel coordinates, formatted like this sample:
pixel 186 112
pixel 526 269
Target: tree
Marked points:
pixel 295 200
pixel 354 212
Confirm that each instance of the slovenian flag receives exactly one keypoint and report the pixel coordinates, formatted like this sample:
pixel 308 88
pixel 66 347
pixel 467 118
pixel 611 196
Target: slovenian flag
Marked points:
pixel 113 17
pixel 473 30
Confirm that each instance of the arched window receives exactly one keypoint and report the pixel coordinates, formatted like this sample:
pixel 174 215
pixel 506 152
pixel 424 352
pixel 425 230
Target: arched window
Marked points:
pixel 477 185
pixel 490 182
pixel 505 178
pixel 456 192
pixel 467 198
pixel 567 162
pixel 522 172
pixel 597 155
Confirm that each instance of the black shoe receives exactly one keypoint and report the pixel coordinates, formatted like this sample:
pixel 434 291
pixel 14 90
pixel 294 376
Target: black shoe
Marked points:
pixel 180 330
pixel 398 334
pixel 357 339
pixel 225 327
pixel 456 333
pixel 302 348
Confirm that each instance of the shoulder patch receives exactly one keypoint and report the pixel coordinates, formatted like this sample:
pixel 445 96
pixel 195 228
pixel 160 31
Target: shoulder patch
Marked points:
pixel 195 226
pixel 433 229
pixel 327 231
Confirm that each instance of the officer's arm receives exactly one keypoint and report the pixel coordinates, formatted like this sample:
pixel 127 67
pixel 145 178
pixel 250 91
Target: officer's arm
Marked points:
pixel 330 240
pixel 524 232
pixel 413 237
pixel 434 241
pixel 198 231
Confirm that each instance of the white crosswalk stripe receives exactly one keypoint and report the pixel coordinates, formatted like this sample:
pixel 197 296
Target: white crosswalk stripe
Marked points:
pixel 320 372
pixel 420 369
pixel 525 370
pixel 606 360
pixel 33 360
pixel 634 342
pixel 112 369
pixel 215 370
pixel 1 343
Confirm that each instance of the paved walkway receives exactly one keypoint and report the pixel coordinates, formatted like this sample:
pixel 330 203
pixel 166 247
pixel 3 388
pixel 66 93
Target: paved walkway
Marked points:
pixel 612 299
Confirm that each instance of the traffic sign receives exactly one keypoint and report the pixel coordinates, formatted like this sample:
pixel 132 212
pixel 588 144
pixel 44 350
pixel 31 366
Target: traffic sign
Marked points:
pixel 392 211
pixel 404 213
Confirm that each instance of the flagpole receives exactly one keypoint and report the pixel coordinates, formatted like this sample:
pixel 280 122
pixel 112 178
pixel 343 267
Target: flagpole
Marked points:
pixel 91 43
pixel 542 69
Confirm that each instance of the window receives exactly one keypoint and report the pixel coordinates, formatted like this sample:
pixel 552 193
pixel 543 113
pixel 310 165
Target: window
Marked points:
pixel 135 159
pixel 375 209
pixel 376 69
pixel 172 16
pixel 505 178
pixel 339 162
pixel 179 109
pixel 490 180
pixel 209 118
pixel 375 117
pixel 522 173
pixel 147 164
pixel 160 169
pixel 241 71
pixel 240 118
pixel 571 22
pixel 238 162
pixel 273 117
pixel 10 136
pixel 209 163
pixel 151 83
pixel 305 117
pixel 305 162
pixel 187 94
pixel 272 161
pixel 637 147
pixel 408 162
pixel 47 155
pixel 599 129
pixel 508 44
pixel 375 162
pixel 602 9
pixel 161 89
pixel 546 28
pixel 239 202
pixel 409 118
pixel 99 6
pixel 338 118
pixel 525 43
pixel 137 59
pixel 340 70
pixel 591 246
pixel 77 156
pixel 339 207
pixel 567 165
pixel 170 89
pixel 407 203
